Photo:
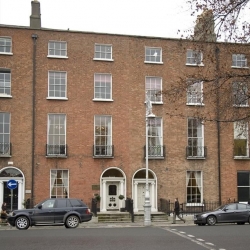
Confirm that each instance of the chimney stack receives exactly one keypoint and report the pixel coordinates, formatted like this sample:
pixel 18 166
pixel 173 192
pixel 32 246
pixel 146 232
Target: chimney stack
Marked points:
pixel 204 28
pixel 35 18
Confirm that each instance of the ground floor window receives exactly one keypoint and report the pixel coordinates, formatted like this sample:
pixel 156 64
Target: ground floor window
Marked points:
pixel 59 181
pixel 194 187
pixel 243 184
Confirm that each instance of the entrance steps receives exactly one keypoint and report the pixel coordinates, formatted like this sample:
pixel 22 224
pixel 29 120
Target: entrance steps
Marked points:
pixel 114 217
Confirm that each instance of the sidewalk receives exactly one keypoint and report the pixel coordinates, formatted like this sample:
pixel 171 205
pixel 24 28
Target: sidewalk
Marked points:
pixel 94 224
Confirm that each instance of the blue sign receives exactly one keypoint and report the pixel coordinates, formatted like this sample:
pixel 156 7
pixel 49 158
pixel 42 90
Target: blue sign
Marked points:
pixel 12 184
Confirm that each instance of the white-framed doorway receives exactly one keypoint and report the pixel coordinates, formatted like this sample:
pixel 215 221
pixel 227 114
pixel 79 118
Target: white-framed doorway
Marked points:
pixel 12 173
pixel 112 184
pixel 139 188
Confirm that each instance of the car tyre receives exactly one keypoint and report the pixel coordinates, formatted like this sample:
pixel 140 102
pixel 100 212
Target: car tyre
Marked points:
pixel 211 220
pixel 22 223
pixel 72 221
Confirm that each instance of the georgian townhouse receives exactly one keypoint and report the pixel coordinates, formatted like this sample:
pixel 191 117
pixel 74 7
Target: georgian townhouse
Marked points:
pixel 73 118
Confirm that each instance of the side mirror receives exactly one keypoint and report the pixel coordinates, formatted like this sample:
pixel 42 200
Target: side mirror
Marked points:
pixel 40 206
pixel 225 209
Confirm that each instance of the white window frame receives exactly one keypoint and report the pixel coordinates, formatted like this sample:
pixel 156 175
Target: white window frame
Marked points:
pixel 241 137
pixel 240 91
pixel 57 49
pixel 195 137
pixel 239 61
pixel 5 83
pixel 56 135
pixel 102 87
pixel 153 85
pixel 194 191
pixel 56 81
pixel 155 137
pixel 103 136
pixel 194 58
pixel 6 42
pixel 103 52
pixel 59 183
pixel 5 135
pixel 153 55
pixel 195 92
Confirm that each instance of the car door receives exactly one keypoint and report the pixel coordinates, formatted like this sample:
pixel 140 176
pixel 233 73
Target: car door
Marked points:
pixel 242 213
pixel 62 207
pixel 229 213
pixel 44 213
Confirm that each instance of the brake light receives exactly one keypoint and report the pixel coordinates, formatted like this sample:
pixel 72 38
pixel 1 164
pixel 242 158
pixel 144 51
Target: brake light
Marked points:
pixel 88 211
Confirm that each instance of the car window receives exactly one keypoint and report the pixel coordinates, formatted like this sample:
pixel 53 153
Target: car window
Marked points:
pixel 76 203
pixel 242 206
pixel 48 204
pixel 63 203
pixel 231 207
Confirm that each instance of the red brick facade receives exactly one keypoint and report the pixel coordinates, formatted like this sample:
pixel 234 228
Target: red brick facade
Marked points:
pixel 127 109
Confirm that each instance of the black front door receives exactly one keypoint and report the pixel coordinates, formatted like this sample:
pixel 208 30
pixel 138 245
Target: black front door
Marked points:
pixel 7 194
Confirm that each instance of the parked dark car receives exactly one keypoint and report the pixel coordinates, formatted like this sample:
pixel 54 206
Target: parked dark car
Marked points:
pixel 53 211
pixel 230 213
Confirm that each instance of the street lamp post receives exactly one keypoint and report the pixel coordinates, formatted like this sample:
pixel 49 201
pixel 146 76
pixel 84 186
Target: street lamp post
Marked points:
pixel 147 205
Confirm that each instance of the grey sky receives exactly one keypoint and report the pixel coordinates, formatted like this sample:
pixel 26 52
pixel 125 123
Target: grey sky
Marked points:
pixel 160 18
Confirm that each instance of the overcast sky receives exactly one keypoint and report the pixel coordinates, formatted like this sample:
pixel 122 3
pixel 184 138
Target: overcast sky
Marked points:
pixel 160 18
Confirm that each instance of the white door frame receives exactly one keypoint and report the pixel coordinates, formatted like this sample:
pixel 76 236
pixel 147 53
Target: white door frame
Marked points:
pixel 21 186
pixel 104 181
pixel 152 191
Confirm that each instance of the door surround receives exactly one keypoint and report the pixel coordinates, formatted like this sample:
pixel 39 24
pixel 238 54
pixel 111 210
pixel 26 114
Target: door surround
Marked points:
pixel 108 176
pixel 152 182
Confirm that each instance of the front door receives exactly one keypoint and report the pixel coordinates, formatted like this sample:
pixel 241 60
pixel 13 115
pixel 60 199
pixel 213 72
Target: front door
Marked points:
pixel 112 196
pixel 10 196
pixel 141 195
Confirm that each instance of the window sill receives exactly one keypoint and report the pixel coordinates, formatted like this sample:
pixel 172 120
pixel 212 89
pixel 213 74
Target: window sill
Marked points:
pixel 5 156
pixel 247 158
pixel 156 157
pixel 156 103
pixel 103 59
pixel 237 67
pixel 57 57
pixel 241 106
pixel 103 156
pixel 195 104
pixel 153 62
pixel 196 158
pixel 194 205
pixel 5 96
pixel 195 65
pixel 6 54
pixel 57 98
pixel 102 100
pixel 56 156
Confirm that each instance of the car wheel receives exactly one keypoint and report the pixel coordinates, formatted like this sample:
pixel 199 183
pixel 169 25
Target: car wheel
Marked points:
pixel 72 221
pixel 22 223
pixel 211 220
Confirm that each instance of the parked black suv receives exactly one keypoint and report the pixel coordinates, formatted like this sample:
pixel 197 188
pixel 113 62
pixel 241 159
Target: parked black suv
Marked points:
pixel 57 211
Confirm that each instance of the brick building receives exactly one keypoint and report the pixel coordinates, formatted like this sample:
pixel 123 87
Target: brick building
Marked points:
pixel 72 118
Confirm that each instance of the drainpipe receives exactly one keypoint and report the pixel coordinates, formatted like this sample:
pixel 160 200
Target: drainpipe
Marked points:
pixel 34 37
pixel 217 51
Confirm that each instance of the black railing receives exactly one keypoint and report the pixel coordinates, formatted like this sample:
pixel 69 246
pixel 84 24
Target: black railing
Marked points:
pixel 56 150
pixel 103 150
pixel 167 207
pixel 5 149
pixel 129 207
pixel 155 151
pixel 196 152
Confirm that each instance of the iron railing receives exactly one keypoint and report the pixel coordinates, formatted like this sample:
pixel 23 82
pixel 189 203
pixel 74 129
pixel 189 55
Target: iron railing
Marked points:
pixel 5 148
pixel 155 151
pixel 167 207
pixel 56 150
pixel 196 152
pixel 103 151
